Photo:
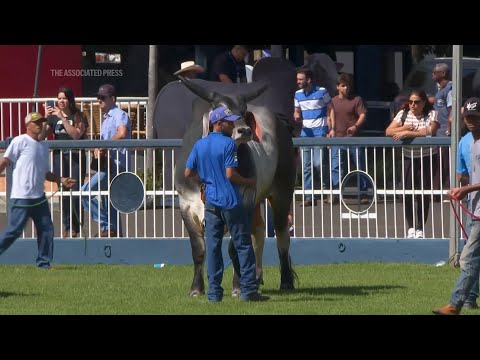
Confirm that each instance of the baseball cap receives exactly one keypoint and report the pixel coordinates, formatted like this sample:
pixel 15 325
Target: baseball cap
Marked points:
pixel 471 107
pixel 34 116
pixel 222 113
pixel 106 90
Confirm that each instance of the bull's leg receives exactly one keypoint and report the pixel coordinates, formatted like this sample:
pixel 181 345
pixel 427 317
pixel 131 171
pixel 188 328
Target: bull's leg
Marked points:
pixel 196 233
pixel 280 214
pixel 236 269
pixel 258 242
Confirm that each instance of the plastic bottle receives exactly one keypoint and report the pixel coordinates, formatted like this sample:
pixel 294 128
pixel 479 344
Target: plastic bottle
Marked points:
pixel 157 266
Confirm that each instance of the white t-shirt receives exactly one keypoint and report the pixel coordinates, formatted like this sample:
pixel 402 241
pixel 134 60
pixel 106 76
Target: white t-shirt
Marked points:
pixel 30 159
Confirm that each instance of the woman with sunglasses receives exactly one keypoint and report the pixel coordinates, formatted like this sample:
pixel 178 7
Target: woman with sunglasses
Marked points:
pixel 417 118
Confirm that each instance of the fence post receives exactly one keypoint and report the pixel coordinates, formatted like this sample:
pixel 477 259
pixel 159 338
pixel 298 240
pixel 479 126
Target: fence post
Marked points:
pixel 457 70
pixel 8 179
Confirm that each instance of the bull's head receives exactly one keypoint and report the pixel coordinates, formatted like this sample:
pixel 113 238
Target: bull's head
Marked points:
pixel 236 103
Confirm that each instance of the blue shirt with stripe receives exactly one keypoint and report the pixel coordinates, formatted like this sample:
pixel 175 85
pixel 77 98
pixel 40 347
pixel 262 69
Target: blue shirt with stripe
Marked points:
pixel 210 156
pixel 314 106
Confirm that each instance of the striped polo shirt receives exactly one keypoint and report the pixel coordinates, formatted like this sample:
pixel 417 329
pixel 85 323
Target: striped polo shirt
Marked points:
pixel 313 106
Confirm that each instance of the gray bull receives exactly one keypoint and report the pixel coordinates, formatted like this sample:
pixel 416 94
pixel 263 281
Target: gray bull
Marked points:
pixel 267 106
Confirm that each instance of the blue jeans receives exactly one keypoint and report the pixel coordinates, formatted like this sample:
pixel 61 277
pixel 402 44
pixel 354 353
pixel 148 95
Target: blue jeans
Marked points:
pixel 474 293
pixel 320 158
pixel 340 156
pixel 238 222
pixel 43 224
pixel 470 267
pixel 106 223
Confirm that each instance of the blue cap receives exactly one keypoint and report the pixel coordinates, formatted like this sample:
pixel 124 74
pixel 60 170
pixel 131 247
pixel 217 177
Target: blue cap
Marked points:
pixel 222 113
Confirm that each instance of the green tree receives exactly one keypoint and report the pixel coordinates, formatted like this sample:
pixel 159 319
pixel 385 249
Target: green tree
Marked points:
pixel 419 51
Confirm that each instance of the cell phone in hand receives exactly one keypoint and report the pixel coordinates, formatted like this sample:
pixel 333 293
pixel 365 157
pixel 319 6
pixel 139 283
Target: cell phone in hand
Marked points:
pixel 50 103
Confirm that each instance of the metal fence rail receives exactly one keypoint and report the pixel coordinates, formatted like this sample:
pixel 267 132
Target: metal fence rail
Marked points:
pixel 159 216
pixel 13 112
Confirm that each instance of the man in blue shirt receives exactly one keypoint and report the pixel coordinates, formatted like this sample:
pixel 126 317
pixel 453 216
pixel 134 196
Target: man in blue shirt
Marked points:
pixel 470 257
pixel 116 125
pixel 214 159
pixel 463 175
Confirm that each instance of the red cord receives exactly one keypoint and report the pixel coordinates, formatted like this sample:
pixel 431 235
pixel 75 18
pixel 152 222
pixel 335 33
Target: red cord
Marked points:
pixel 457 217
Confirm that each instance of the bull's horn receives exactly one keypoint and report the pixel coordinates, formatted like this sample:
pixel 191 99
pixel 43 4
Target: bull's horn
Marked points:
pixel 254 94
pixel 198 90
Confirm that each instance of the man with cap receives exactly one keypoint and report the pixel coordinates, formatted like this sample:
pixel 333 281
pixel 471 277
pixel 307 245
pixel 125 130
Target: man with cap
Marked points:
pixel 214 159
pixel 470 257
pixel 29 155
pixel 116 125
pixel 189 70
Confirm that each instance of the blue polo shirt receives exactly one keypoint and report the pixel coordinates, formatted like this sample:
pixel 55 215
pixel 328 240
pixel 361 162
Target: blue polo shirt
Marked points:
pixel 210 156
pixel 114 118
pixel 443 100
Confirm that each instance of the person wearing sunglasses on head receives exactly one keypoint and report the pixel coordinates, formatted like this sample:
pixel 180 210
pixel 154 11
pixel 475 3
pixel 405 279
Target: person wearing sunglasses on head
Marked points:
pixel 116 125
pixel 416 119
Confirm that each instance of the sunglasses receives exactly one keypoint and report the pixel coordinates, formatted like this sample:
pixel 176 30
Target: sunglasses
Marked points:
pixel 101 97
pixel 416 102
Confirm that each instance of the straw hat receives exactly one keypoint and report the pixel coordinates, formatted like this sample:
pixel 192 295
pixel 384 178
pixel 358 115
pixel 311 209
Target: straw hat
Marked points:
pixel 189 66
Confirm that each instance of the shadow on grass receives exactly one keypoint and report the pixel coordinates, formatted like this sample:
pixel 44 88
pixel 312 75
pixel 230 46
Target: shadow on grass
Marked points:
pixel 5 294
pixel 62 267
pixel 360 290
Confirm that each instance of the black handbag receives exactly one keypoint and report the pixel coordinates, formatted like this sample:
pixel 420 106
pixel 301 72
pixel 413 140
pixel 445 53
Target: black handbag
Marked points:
pixel 100 164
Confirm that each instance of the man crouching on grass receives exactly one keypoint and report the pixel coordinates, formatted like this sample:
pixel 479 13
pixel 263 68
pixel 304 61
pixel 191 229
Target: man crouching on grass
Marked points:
pixel 470 257
pixel 27 199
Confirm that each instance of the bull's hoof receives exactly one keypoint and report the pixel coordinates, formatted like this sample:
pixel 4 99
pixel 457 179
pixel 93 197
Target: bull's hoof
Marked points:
pixel 235 293
pixel 287 287
pixel 196 293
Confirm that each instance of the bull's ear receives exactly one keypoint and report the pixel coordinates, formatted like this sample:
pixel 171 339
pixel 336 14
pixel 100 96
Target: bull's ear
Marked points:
pixel 256 93
pixel 197 89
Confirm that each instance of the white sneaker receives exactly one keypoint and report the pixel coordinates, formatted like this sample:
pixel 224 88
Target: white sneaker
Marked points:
pixel 411 233
pixel 419 234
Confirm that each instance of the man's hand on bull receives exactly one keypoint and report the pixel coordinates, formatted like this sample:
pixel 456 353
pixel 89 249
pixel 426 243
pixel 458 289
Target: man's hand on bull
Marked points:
pixel 251 182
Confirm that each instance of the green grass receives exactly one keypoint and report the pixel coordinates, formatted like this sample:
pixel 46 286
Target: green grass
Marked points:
pixel 368 288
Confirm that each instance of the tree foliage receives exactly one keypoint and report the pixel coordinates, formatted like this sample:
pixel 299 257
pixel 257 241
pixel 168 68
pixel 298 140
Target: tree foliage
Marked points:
pixel 419 51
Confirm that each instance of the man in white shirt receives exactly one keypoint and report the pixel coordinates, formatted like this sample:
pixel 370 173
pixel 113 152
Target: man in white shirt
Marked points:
pixel 27 199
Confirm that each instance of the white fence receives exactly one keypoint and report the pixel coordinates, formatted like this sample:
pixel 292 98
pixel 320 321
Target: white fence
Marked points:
pixel 13 112
pixel 159 216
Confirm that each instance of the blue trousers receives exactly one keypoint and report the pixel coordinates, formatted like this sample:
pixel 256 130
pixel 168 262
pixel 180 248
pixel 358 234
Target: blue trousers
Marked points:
pixel 470 268
pixel 313 164
pixel 43 225
pixel 101 210
pixel 238 221
pixel 340 157
pixel 474 293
